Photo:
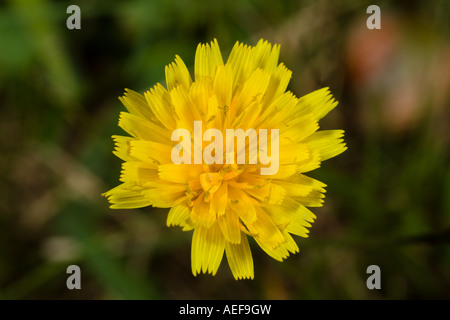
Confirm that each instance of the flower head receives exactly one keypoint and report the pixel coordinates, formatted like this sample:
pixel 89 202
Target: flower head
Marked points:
pixel 201 148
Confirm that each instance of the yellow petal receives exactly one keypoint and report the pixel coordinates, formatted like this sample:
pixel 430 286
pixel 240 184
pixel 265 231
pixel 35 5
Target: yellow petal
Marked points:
pixel 180 215
pixel 177 74
pixel 292 214
pixel 239 62
pixel 265 230
pixel 139 172
pixel 210 181
pixel 329 143
pixel 158 98
pixel 166 197
pixel 127 196
pixel 215 113
pixel 207 58
pixel 271 193
pixel 137 105
pixel 122 148
pixel 200 92
pixel 240 259
pixel 230 226
pixel 207 249
pixel 278 83
pixel 151 152
pixel 278 253
pixel 252 91
pixel 201 214
pixel 242 204
pixel 220 199
pixel 293 189
pixel 319 103
pixel 309 164
pixel 180 173
pixel 185 109
pixel 249 116
pixel 284 172
pixel 290 244
pixel 313 199
pixel 143 129
pixel 265 56
pixel 298 129
pixel 300 185
pixel 278 113
pixel 223 85
pixel 293 153
pixel 254 180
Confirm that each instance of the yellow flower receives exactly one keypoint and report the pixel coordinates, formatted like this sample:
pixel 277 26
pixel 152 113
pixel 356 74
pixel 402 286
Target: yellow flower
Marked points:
pixel 225 201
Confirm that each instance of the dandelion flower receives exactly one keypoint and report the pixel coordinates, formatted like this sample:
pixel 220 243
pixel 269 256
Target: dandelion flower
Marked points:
pixel 225 201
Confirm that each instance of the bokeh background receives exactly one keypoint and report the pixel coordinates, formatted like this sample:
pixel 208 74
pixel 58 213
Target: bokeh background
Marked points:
pixel 388 195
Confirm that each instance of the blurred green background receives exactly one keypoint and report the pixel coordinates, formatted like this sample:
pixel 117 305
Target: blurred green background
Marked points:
pixel 388 195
